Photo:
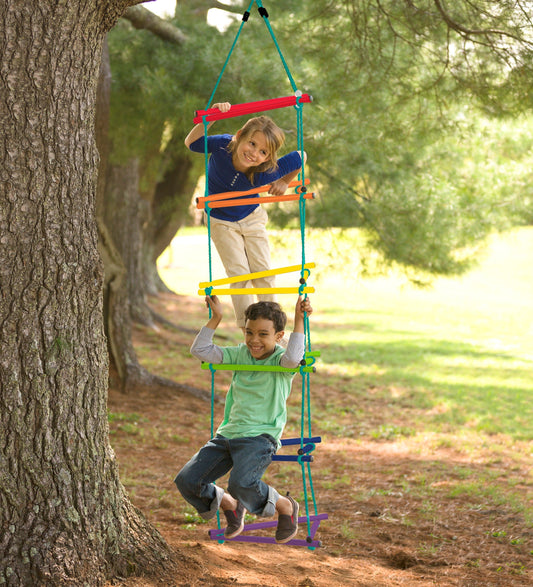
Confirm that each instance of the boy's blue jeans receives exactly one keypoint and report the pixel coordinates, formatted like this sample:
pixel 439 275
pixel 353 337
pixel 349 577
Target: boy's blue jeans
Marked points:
pixel 247 458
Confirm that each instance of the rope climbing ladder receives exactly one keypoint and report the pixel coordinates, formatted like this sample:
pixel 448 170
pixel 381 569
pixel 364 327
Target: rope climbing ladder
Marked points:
pixel 306 442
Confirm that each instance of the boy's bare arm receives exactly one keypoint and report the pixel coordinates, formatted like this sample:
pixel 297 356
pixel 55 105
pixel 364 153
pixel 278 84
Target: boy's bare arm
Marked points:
pixel 296 346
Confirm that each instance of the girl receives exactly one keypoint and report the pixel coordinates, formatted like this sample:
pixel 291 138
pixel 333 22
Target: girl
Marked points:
pixel 240 162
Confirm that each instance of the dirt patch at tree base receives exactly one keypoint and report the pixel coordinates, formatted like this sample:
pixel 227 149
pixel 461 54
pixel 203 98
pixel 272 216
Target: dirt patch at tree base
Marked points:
pixel 381 531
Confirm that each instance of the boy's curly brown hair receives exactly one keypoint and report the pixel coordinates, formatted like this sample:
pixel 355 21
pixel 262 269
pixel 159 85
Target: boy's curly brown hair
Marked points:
pixel 267 311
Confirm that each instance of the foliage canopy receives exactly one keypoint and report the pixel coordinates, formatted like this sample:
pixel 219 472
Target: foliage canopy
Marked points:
pixel 419 132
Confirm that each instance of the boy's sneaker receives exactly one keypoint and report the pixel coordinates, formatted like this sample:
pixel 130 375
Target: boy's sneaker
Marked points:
pixel 288 525
pixel 235 521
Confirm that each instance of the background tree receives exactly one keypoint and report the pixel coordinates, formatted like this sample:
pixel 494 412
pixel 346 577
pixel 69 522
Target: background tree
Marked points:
pixel 402 95
pixel 64 515
pixel 125 211
pixel 408 87
pixel 400 89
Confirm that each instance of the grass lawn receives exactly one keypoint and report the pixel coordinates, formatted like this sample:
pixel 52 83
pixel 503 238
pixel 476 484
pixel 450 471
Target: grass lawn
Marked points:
pixel 462 350
pixel 450 365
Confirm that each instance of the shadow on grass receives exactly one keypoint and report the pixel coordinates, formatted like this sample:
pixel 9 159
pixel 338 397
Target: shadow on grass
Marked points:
pixel 452 383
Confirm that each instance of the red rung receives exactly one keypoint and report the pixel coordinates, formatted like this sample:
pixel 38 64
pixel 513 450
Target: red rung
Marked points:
pixel 249 108
pixel 236 194
pixel 259 200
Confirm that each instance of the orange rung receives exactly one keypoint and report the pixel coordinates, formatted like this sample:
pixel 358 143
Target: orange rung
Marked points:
pixel 236 194
pixel 259 200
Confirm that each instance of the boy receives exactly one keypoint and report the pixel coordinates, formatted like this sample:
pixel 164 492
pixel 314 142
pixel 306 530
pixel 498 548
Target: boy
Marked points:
pixel 255 414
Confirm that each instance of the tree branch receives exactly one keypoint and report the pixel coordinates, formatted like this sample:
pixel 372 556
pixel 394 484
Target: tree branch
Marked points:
pixel 204 5
pixel 142 18
pixel 466 31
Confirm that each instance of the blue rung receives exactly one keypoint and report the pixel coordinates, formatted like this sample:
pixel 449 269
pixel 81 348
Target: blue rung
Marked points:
pixel 305 449
pixel 291 441
pixel 298 458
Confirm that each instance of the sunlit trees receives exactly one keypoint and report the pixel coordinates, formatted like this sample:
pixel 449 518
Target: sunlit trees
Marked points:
pixel 402 92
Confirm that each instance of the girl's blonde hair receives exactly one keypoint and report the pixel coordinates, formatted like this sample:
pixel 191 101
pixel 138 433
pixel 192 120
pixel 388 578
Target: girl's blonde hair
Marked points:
pixel 274 136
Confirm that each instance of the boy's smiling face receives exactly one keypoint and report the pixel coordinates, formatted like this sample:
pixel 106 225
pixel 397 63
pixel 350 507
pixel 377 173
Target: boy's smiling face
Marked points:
pixel 261 338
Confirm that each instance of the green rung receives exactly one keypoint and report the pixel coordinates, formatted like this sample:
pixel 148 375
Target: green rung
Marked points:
pixel 225 367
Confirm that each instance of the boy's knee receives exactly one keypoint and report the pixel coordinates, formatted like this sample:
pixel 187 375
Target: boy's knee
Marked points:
pixel 181 481
pixel 235 490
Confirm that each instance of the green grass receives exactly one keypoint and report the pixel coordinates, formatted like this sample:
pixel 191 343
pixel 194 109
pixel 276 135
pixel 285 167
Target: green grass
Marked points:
pixel 449 366
pixel 459 352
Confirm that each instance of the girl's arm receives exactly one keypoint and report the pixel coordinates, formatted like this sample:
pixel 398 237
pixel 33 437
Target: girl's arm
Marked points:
pixel 279 187
pixel 198 130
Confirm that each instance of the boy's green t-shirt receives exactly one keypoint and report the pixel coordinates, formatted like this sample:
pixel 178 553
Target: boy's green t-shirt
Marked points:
pixel 256 402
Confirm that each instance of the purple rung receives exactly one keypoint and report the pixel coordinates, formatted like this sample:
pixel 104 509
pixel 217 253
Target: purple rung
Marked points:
pixel 269 540
pixel 218 534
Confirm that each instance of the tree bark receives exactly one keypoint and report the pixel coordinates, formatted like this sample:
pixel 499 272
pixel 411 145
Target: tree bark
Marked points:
pixel 64 516
pixel 125 214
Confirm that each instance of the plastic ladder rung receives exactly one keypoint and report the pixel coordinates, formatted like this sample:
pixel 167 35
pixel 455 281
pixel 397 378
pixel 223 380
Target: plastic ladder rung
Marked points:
pixel 250 108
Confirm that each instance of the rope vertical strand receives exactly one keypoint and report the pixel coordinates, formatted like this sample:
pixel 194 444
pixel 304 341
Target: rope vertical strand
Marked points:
pixel 264 14
pixel 244 20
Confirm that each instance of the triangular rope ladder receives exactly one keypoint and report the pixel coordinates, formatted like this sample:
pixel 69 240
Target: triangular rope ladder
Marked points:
pixel 307 442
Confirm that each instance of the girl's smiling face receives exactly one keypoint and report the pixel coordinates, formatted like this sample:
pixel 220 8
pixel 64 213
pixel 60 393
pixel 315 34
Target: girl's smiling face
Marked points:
pixel 261 338
pixel 251 151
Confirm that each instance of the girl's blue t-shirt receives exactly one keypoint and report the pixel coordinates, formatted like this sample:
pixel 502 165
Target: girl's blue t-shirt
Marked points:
pixel 223 177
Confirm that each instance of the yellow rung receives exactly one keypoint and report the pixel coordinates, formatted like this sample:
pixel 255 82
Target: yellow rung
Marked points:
pixel 257 275
pixel 256 290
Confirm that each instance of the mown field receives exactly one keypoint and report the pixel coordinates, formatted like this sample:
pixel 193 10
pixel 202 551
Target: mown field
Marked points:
pixel 423 401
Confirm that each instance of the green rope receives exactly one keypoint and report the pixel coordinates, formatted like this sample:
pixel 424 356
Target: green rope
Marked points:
pixel 207 208
pixel 244 20
pixel 213 430
pixel 264 14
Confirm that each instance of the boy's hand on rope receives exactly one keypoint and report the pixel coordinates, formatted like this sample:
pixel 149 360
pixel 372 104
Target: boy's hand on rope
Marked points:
pixel 222 106
pixel 303 306
pixel 216 311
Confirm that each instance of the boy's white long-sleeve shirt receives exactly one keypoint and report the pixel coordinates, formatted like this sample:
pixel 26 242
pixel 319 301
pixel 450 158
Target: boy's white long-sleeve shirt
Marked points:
pixel 256 400
pixel 205 349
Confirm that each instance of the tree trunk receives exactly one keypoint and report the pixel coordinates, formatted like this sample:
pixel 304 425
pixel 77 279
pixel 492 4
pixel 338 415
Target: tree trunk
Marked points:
pixel 120 238
pixel 64 516
pixel 169 210
pixel 125 214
